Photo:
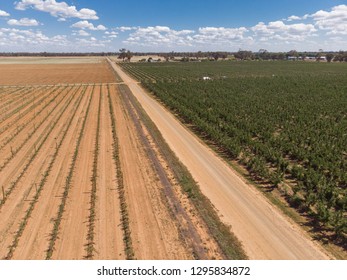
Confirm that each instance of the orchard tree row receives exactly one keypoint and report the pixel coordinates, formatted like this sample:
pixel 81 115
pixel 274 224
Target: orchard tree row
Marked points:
pixel 285 122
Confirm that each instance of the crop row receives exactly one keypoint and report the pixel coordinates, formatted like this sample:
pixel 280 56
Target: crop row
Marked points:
pixel 288 129
pixel 229 245
pixel 34 151
pixel 24 102
pixel 35 129
pixel 11 97
pixel 41 184
pixel 231 69
pixel 68 184
pixel 91 219
pixel 121 189
pixel 35 102
pixel 27 122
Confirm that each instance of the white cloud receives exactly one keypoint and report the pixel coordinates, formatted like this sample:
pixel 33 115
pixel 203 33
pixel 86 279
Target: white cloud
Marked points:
pixel 57 9
pixel 111 33
pixel 323 29
pixel 84 24
pixel 4 14
pixel 292 18
pixel 17 40
pixel 23 22
pixel 126 28
pixel 335 21
pixel 280 31
pixel 81 33
pixel 159 36
pixel 205 37
pixel 304 32
pixel 22 40
pixel 91 42
pixel 219 35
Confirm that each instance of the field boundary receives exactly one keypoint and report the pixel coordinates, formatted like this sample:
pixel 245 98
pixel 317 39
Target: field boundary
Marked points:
pixel 221 233
pixel 60 85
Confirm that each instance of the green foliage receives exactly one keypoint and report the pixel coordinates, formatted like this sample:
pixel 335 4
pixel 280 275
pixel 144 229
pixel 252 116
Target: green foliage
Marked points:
pixel 93 194
pixel 280 119
pixel 129 250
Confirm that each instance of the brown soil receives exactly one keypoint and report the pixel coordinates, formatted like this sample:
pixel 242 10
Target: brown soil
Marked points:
pixel 191 228
pixel 50 74
pixel 13 209
pixel 154 233
pixel 39 136
pixel 108 218
pixel 35 239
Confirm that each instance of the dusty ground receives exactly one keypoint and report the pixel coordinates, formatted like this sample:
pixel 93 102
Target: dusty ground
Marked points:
pixel 47 158
pixel 48 74
pixel 182 223
pixel 50 60
pixel 264 231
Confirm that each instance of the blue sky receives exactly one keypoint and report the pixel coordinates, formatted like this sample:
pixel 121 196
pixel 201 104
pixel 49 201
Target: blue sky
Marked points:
pixel 182 25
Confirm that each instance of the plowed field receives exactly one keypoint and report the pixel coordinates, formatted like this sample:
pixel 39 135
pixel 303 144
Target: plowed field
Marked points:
pixel 50 74
pixel 81 176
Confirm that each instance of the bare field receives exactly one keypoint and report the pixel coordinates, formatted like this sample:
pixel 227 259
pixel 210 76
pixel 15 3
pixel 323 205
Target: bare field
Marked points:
pixel 50 74
pixel 78 180
pixel 49 60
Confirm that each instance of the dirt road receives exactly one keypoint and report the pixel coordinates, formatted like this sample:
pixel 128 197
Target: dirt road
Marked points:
pixel 264 231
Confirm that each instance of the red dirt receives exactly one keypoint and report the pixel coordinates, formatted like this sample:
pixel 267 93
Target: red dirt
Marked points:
pixel 48 74
pixel 44 157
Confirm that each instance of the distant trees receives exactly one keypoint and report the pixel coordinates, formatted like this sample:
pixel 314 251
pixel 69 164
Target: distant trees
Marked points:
pixel 293 53
pixel 329 57
pixel 341 56
pixel 125 54
pixel 244 55
pixel 262 54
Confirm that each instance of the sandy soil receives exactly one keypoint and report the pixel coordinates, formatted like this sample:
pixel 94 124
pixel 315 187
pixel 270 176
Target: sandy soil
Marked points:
pixel 13 210
pixel 264 231
pixel 154 233
pixel 193 228
pixel 50 60
pixel 48 74
pixel 73 234
pixel 34 241
pixel 16 128
pixel 108 230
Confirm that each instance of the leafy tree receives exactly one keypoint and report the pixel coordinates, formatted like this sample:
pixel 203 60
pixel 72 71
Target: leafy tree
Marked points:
pixel 329 57
pixel 293 53
pixel 122 54
pixel 129 55
pixel 244 55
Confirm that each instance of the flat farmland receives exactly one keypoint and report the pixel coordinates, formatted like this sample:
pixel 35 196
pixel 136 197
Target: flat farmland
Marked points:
pixel 83 177
pixel 281 125
pixel 49 74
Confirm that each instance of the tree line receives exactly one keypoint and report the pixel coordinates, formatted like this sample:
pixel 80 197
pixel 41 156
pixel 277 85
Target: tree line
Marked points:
pixel 262 54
